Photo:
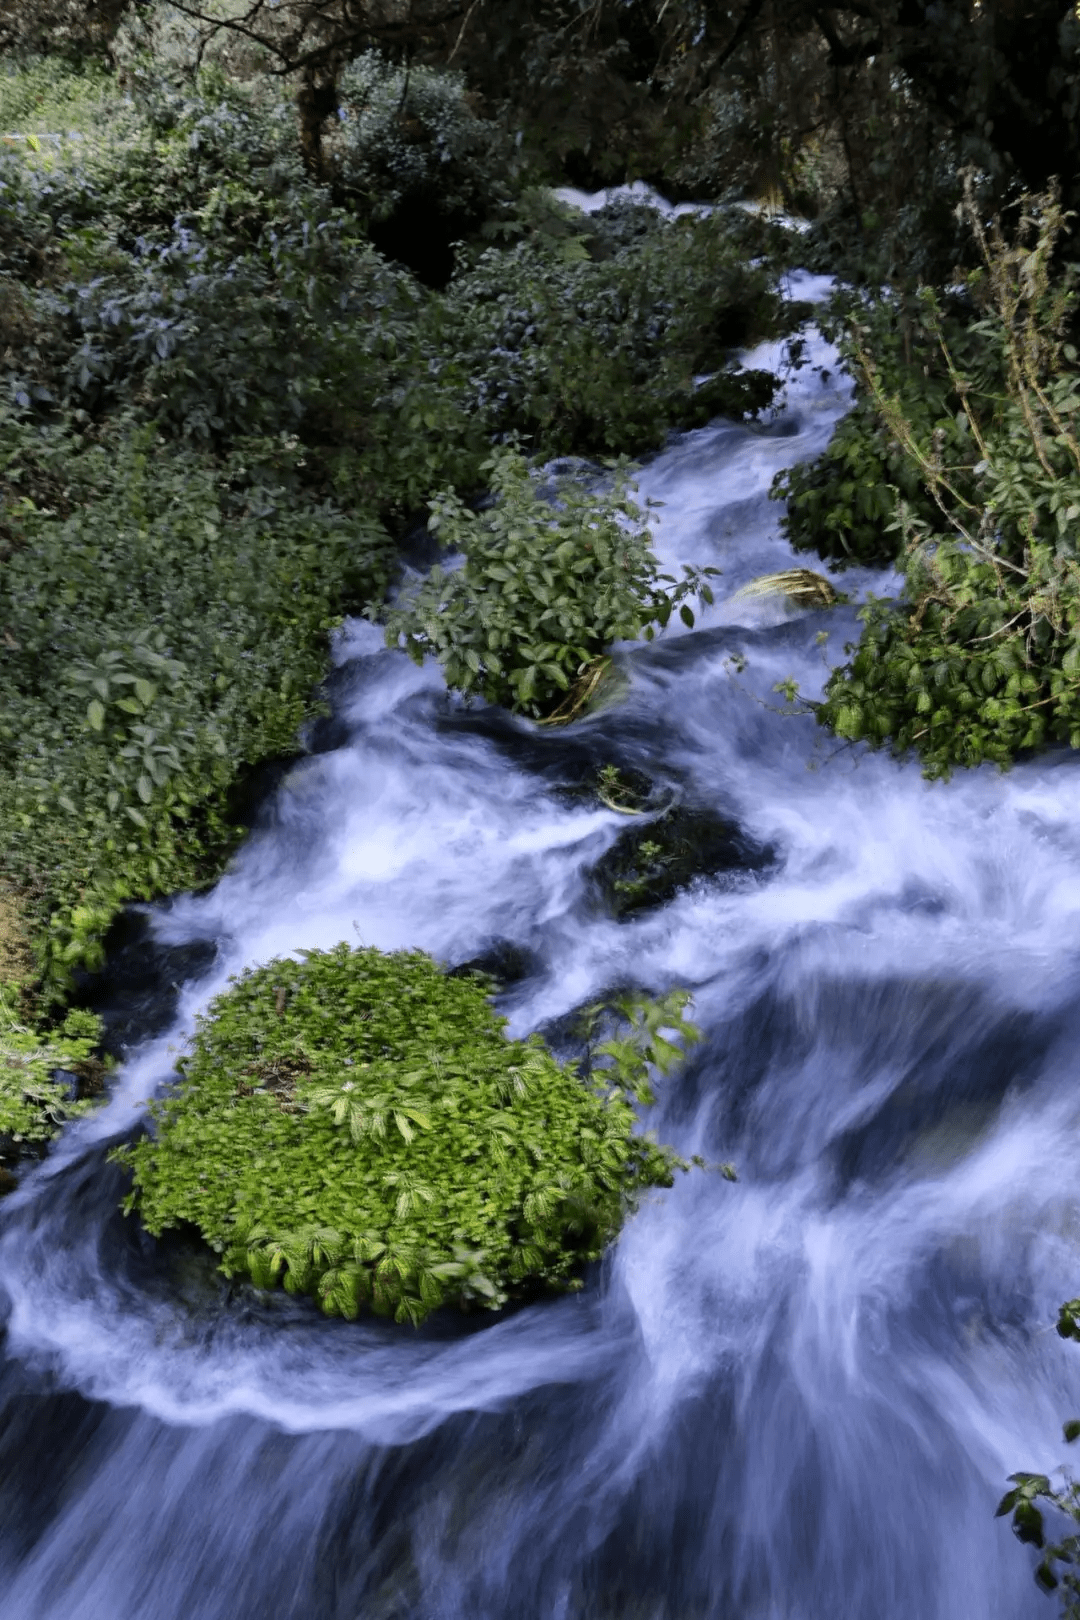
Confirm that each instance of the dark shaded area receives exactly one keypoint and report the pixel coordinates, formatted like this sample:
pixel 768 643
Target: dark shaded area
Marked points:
pixel 418 236
pixel 253 787
pixel 503 963
pixel 137 990
pixel 948 1054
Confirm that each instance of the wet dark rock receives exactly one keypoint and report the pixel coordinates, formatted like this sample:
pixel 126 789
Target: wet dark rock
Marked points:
pixel 8 1182
pixel 136 992
pixel 657 857
pixel 254 786
pixel 504 963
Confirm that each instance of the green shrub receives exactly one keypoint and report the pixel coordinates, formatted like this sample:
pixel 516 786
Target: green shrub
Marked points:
pixel 604 355
pixel 982 657
pixel 550 579
pixel 357 1126
pixel 842 505
pixel 36 1073
pixel 165 626
pixel 408 137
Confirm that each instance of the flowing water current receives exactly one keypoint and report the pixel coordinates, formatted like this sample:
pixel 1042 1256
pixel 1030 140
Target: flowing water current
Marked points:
pixel 791 1398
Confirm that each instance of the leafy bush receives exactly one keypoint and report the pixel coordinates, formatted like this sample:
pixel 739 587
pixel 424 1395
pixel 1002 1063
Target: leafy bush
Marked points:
pixel 408 137
pixel 164 627
pixel 982 658
pixel 550 579
pixel 357 1126
pixel 187 268
pixel 592 355
pixel 42 1079
pixel 842 505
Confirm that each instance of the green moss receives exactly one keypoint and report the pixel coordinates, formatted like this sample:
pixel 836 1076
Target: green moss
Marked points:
pixel 357 1126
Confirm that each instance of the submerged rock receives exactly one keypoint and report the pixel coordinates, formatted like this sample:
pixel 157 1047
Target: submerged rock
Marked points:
pixel 656 858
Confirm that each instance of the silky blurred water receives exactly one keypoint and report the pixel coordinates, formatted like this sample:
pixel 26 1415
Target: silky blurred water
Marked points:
pixel 792 1398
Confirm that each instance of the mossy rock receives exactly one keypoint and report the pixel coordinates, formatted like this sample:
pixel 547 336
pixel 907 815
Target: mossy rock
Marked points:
pixel 656 858
pixel 357 1126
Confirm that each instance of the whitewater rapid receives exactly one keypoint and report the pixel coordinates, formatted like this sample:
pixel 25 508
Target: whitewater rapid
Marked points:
pixel 791 1398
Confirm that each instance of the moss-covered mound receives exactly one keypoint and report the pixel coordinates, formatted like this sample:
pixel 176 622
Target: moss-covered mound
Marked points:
pixel 357 1126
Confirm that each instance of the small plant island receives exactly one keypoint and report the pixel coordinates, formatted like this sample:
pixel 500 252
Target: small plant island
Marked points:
pixel 357 1126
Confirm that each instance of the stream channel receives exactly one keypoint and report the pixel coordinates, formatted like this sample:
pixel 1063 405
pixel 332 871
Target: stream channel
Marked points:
pixel 795 1397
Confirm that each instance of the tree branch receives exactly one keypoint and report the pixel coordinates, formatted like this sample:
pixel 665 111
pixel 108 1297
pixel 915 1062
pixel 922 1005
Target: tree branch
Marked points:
pixel 841 54
pixel 742 28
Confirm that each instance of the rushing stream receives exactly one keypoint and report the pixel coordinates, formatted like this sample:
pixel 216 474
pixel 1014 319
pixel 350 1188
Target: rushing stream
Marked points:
pixel 792 1398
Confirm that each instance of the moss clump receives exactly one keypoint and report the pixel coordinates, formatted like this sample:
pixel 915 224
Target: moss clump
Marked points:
pixel 357 1126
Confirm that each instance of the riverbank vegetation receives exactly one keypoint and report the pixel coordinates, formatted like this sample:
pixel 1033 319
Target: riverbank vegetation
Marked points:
pixel 278 281
pixel 306 267
pixel 357 1126
pixel 979 658
pixel 223 402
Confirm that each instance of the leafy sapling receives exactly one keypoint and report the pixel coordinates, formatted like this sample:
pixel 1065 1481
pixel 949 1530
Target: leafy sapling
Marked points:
pixel 551 578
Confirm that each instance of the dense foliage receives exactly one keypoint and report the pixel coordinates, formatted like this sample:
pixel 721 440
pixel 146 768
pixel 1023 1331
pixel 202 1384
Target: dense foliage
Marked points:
pixel 980 658
pixel 551 577
pixel 161 628
pixel 868 109
pixel 414 159
pixel 600 342
pixel 219 394
pixel 44 1080
pixel 357 1126
pixel 843 504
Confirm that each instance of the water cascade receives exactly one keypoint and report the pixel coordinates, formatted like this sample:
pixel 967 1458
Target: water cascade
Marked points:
pixel 791 1398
